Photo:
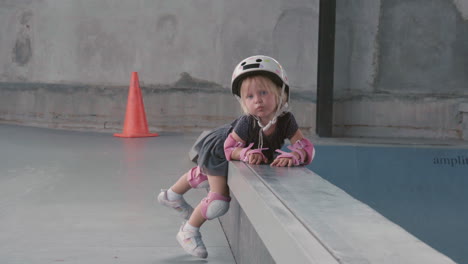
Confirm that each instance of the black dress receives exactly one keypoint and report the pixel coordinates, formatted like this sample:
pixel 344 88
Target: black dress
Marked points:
pixel 210 149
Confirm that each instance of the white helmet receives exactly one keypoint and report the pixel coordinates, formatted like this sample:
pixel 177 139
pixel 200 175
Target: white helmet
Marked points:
pixel 269 67
pixel 259 64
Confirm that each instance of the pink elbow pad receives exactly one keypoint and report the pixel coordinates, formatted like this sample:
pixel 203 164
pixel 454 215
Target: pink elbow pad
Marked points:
pixel 229 145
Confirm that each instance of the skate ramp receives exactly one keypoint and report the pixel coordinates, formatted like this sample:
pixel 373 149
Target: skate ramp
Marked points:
pixel 299 217
pixel 421 188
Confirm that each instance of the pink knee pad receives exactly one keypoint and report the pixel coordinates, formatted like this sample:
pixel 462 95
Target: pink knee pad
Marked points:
pixel 196 178
pixel 214 205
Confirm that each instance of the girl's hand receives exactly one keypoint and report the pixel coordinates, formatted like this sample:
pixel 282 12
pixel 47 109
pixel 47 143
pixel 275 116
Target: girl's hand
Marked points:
pixel 257 158
pixel 284 162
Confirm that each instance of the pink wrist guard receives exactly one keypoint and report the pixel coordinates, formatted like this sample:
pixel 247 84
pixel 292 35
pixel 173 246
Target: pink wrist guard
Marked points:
pixel 307 146
pixel 289 155
pixel 246 152
pixel 303 144
pixel 230 144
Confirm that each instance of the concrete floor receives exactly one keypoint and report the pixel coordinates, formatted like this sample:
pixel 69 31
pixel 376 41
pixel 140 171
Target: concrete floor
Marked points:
pixel 83 197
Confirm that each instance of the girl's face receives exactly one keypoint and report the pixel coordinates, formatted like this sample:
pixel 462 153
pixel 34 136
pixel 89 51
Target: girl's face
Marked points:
pixel 259 98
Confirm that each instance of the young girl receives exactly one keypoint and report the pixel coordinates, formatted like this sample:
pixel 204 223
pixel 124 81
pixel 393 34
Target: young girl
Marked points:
pixel 262 88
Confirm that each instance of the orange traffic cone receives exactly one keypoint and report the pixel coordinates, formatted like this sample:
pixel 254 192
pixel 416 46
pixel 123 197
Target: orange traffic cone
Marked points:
pixel 135 124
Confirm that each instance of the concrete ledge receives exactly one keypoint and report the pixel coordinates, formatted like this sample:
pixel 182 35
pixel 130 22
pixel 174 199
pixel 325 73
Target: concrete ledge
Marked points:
pixel 302 218
pixel 285 237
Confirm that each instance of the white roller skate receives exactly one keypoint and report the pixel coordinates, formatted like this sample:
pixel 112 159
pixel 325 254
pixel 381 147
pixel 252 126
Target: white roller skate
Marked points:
pixel 191 242
pixel 181 206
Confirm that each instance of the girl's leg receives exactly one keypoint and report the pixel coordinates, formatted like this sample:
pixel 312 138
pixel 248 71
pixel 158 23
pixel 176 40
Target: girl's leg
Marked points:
pixel 173 198
pixel 194 178
pixel 218 185
pixel 181 186
pixel 189 236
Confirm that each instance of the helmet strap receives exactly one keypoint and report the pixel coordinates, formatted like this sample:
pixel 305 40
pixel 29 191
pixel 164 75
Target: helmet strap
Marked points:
pixel 281 108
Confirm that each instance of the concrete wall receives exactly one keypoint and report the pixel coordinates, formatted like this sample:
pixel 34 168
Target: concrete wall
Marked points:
pixel 399 65
pixel 400 68
pixel 68 63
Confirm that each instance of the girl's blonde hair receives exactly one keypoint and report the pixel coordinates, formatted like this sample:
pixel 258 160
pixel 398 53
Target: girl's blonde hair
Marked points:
pixel 263 82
